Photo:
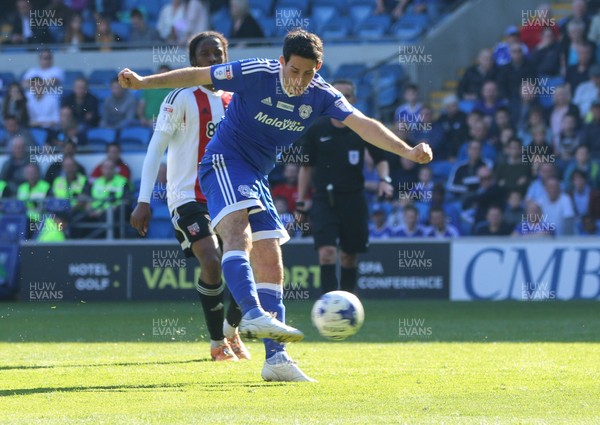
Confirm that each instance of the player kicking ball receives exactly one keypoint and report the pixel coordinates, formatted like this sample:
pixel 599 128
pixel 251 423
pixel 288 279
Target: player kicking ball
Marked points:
pixel 186 123
pixel 274 103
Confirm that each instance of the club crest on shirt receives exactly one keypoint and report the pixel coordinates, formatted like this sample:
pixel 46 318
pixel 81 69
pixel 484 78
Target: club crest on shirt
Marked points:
pixel 305 111
pixel 353 157
pixel 194 229
pixel 247 191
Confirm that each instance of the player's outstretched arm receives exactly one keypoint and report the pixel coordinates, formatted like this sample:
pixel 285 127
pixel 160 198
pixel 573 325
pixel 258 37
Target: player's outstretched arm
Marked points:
pixel 374 132
pixel 185 77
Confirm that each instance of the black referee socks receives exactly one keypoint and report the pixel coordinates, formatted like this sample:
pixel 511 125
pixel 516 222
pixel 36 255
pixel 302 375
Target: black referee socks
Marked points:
pixel 348 280
pixel 329 280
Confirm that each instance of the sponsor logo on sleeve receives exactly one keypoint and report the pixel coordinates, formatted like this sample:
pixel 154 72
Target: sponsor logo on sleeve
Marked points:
pixel 343 105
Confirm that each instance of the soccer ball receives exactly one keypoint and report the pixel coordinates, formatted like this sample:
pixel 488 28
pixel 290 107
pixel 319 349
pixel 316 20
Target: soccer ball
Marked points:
pixel 338 315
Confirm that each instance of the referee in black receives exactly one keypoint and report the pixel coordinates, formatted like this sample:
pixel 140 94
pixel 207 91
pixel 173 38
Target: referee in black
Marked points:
pixel 338 210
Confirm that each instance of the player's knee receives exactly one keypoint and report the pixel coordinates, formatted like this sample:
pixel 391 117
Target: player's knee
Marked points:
pixel 348 260
pixel 327 255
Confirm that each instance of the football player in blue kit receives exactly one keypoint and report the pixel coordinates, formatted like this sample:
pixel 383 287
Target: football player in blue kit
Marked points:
pixel 274 103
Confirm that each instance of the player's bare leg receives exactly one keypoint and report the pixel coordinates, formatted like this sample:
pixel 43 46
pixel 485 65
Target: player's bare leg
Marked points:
pixel 327 261
pixel 210 289
pixel 234 230
pixel 267 265
pixel 349 271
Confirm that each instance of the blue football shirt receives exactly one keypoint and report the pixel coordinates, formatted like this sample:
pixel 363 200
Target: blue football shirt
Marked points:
pixel 262 118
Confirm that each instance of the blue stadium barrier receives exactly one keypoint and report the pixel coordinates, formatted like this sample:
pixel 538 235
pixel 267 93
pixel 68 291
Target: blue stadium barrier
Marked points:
pixel 102 136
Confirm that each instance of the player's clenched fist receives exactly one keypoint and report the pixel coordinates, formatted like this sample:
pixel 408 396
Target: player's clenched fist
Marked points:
pixel 421 153
pixel 129 79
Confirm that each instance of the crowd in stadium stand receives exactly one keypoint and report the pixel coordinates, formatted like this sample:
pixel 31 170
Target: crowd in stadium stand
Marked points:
pixel 517 147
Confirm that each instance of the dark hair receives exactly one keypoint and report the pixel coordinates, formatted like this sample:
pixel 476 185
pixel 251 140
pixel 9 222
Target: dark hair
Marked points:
pixel 200 37
pixel 136 13
pixel 345 82
pixel 411 86
pixel 497 206
pixel 579 173
pixel 116 144
pixel 515 139
pixel 304 44
pixel 502 109
pixel 412 208
pixel 436 209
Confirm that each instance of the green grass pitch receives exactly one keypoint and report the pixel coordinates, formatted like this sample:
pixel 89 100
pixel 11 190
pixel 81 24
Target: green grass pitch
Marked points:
pixel 413 362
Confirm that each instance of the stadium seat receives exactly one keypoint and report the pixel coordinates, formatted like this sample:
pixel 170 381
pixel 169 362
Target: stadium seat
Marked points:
pixel 101 136
pixel 359 10
pixel 101 94
pixel 121 29
pixel 221 21
pixel 135 135
pixel 40 135
pixel 56 206
pixel 71 76
pixel 440 170
pixel 336 29
pixel 325 72
pixel 102 77
pixel 13 228
pixel 6 78
pixel 549 87
pixel 267 24
pixel 301 5
pixel 350 71
pixel 323 13
pixel 88 28
pixel 466 106
pixel 409 27
pixel 373 27
pixel 12 206
pixel 264 6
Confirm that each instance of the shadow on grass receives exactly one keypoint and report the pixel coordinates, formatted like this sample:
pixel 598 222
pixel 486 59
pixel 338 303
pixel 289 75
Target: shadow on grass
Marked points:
pixel 212 386
pixel 126 364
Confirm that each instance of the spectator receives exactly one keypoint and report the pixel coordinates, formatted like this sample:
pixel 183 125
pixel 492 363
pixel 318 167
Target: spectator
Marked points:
pixel 105 38
pixel 568 138
pixel 62 15
pixel 288 190
pixel 170 18
pixel 478 131
pixel 12 129
pixel 409 111
pixel 83 105
pixel 512 75
pixel 586 200
pixel 411 227
pixel 558 208
pixel 488 193
pixel 43 105
pixel 378 229
pixel 580 72
pixel 119 108
pixel 578 13
pixel 594 32
pixel 502 52
pixel 471 83
pixel 243 24
pixel 68 130
pixel 534 223
pixel 590 133
pixel 521 108
pixel 32 192
pixel 395 8
pixel 403 172
pixel 588 91
pixel 573 42
pixel 68 151
pixel 113 153
pixel 71 184
pixel 546 56
pixel 12 169
pixel 74 36
pixel 454 125
pixel 501 122
pixel 536 191
pixel 490 101
pixel 23 30
pixel 50 74
pixel 108 8
pixel 561 106
pixel 589 226
pixel 110 190
pixel 535 121
pixel 439 228
pixel 494 224
pixel 287 218
pixel 513 174
pixel 532 32
pixel 463 177
pixel 427 131
pixel 586 165
pixel 15 105
pixel 151 100
pixel 141 33
pixel 513 214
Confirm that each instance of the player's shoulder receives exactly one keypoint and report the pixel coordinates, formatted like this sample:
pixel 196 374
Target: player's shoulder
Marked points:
pixel 323 87
pixel 259 66
pixel 179 94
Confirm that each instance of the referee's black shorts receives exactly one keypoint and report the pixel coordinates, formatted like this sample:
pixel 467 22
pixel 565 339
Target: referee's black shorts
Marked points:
pixel 346 222
pixel 192 223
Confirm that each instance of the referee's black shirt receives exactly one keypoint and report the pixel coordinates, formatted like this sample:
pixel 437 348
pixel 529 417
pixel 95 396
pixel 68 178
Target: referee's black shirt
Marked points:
pixel 336 156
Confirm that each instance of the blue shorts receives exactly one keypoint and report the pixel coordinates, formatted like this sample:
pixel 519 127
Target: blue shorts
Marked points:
pixel 231 185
